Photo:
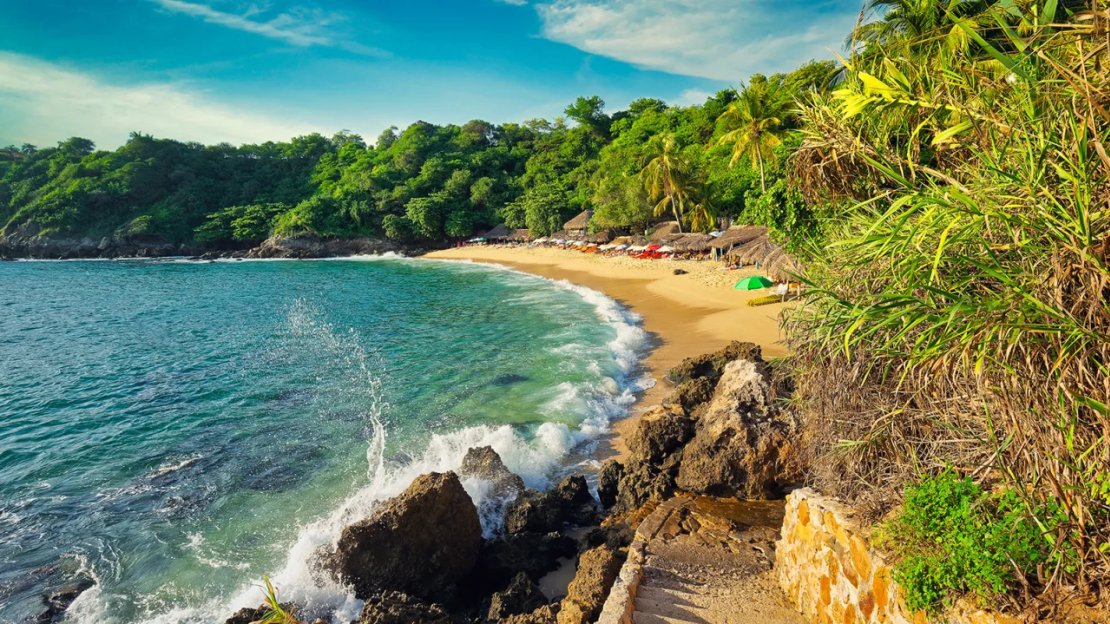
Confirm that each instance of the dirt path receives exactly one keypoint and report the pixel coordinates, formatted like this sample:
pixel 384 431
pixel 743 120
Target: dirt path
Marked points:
pixel 708 561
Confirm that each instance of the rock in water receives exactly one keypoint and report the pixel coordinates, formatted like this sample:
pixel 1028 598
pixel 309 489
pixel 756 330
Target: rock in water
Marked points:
pixel 544 512
pixel 520 597
pixel 421 543
pixel 597 570
pixel 484 463
pixel 398 608
pixel 60 600
pixel 744 445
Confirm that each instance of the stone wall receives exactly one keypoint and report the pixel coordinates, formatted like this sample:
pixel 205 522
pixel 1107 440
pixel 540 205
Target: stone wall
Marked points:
pixel 828 569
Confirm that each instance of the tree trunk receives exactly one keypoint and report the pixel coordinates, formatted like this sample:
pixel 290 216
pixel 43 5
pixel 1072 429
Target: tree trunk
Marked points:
pixel 762 177
pixel 674 209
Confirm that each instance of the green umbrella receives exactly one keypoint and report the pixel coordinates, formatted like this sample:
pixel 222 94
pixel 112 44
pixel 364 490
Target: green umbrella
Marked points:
pixel 754 282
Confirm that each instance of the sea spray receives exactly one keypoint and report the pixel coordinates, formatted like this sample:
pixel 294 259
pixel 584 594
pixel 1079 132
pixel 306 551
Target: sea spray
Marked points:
pixel 274 389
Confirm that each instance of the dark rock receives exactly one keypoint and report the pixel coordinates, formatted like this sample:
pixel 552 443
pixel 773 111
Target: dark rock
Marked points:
pixel 597 570
pixel 745 445
pixel 711 365
pixel 60 599
pixel 690 394
pixel 615 536
pixel 484 463
pixel 422 542
pixel 520 597
pixel 311 246
pixel 534 554
pixel 508 379
pixel 544 615
pixel 544 512
pixel 659 433
pixel 399 608
pixel 247 615
pixel 608 482
pixel 680 272
pixel 643 481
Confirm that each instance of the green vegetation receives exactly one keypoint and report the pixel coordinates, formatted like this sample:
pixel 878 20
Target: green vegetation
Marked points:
pixel 428 183
pixel 960 313
pixel 952 537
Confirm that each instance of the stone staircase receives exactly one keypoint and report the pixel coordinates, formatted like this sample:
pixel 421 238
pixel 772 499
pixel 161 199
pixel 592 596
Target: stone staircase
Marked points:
pixel 698 560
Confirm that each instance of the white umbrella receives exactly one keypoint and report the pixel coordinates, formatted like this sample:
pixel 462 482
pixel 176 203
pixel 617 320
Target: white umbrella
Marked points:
pixel 665 249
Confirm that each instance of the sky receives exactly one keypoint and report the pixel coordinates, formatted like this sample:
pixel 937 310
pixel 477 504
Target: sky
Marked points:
pixel 246 71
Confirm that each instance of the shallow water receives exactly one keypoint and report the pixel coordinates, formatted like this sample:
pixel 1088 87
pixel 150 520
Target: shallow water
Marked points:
pixel 176 429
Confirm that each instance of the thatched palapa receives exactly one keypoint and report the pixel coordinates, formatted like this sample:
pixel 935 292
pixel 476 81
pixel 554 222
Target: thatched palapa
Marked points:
pixel 579 224
pixel 521 236
pixel 663 230
pixel 773 260
pixel 600 238
pixel 690 243
pixel 498 233
pixel 738 235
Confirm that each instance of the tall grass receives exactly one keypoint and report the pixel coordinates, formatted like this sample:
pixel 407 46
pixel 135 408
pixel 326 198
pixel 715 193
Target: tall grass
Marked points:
pixel 962 316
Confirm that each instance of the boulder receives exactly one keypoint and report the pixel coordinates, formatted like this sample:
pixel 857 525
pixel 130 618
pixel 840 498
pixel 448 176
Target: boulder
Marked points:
pixel 643 481
pixel 711 365
pixel 680 271
pixel 399 608
pixel 543 615
pixel 597 570
pixel 543 512
pixel 608 482
pixel 659 433
pixel 520 597
pixel 421 543
pixel 533 554
pixel 691 394
pixel 744 444
pixel 484 463
pixel 57 601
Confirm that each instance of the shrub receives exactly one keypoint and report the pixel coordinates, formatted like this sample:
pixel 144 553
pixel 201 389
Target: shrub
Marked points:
pixel 952 537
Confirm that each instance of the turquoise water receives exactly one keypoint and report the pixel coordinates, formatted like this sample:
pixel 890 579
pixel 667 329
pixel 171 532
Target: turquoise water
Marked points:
pixel 176 429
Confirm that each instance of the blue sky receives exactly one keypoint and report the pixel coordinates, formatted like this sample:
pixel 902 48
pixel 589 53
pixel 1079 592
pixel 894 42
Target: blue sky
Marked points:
pixel 249 71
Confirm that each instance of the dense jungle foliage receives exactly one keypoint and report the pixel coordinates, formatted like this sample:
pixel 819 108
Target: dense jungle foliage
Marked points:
pixel 428 182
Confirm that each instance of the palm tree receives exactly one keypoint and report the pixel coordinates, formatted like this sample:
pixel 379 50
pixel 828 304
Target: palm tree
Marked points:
pixel 921 21
pixel 668 176
pixel 756 119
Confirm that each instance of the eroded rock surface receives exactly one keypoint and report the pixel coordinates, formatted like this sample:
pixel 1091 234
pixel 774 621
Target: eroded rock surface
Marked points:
pixel 519 598
pixel 421 543
pixel 569 502
pixel 399 608
pixel 597 569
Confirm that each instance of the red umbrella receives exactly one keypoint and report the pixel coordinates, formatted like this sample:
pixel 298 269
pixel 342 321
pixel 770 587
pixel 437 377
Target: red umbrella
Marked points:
pixel 653 247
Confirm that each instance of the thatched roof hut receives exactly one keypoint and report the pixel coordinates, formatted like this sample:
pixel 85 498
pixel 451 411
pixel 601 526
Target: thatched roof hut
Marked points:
pixel 663 230
pixel 521 236
pixel 623 240
pixel 638 241
pixel 600 238
pixel 773 260
pixel 580 223
pixel 690 243
pixel 560 235
pixel 498 232
pixel 738 235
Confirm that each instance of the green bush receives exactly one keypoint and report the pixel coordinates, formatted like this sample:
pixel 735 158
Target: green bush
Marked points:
pixel 952 537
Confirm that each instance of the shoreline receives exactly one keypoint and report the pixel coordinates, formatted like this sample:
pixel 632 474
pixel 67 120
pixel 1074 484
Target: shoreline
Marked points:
pixel 685 315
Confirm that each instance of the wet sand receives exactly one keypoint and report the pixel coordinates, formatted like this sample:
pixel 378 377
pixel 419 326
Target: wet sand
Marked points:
pixel 686 315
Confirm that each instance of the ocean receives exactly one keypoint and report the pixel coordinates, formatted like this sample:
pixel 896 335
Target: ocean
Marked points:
pixel 176 429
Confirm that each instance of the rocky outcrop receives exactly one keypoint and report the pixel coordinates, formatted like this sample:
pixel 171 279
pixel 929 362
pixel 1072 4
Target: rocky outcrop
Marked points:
pixel 519 598
pixel 608 482
pixel 533 554
pixel 311 246
pixel 569 502
pixel 721 433
pixel 25 242
pixel 59 600
pixel 743 446
pixel 421 543
pixel 597 569
pixel 543 615
pixel 399 608
pixel 484 463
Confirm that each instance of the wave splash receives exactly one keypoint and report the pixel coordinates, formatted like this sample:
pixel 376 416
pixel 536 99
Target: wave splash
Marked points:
pixel 536 460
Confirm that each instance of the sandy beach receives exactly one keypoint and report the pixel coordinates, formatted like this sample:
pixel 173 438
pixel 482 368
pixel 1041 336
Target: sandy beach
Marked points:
pixel 686 315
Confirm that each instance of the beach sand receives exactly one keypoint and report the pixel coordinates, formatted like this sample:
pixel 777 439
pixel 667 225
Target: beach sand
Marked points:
pixel 687 315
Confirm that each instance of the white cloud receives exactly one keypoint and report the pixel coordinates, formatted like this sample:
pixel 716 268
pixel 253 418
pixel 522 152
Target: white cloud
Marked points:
pixel 692 97
pixel 513 2
pixel 716 39
pixel 42 103
pixel 299 26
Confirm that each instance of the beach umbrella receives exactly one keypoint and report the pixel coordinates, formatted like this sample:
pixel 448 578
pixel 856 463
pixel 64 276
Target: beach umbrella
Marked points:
pixel 666 249
pixel 653 247
pixel 753 282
